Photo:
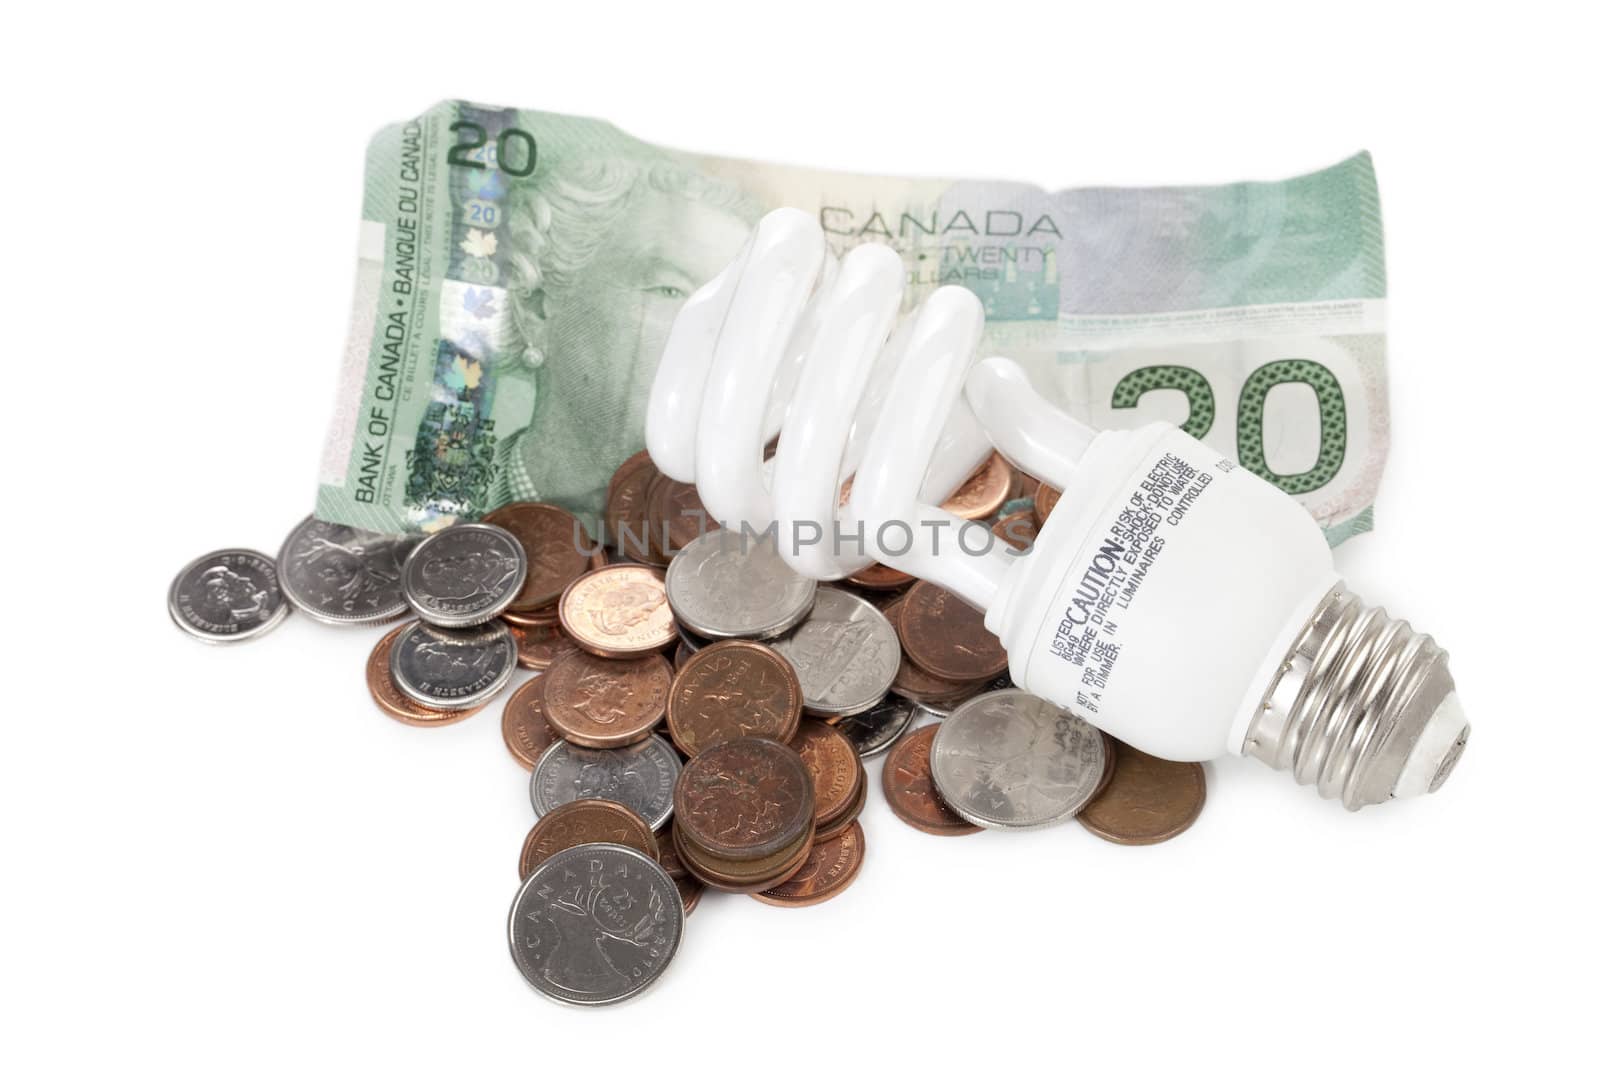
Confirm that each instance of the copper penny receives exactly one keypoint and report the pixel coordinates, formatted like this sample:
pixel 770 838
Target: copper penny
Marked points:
pixel 584 822
pixel 676 512
pixel 1045 501
pixel 835 768
pixel 668 852
pixel 733 689
pixel 879 577
pixel 531 619
pixel 628 510
pixel 850 814
pixel 984 491
pixel 690 889
pixel 1020 529
pixel 744 876
pixel 538 646
pixel 526 731
pixel 914 683
pixel 606 703
pixel 944 635
pixel 908 787
pixel 827 872
pixel 394 703
pixel 1026 487
pixel 556 544
pixel 1148 800
pixel 744 799
pixel 619 611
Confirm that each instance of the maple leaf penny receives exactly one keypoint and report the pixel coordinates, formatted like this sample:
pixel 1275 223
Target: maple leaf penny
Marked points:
pixel 836 771
pixel 396 704
pixel 916 684
pixel 733 689
pixel 1147 801
pixel 984 491
pixel 945 636
pixel 556 544
pixel 619 611
pixel 908 787
pixel 526 731
pixel 1045 501
pixel 606 703
pixel 828 871
pixel 584 822
pixel 538 646
pixel 743 799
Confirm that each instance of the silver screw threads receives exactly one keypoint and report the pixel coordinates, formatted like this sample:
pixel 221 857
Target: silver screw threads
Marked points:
pixel 1363 707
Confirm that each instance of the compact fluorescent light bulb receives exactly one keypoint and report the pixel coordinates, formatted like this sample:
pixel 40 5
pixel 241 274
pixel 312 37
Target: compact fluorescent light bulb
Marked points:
pixel 1173 599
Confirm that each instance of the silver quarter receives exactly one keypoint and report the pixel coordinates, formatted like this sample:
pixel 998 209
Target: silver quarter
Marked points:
pixel 1010 761
pixel 453 668
pixel 874 731
pixel 595 924
pixel 640 777
pixel 845 652
pixel 464 575
pixel 344 576
pixel 726 585
pixel 941 709
pixel 227 596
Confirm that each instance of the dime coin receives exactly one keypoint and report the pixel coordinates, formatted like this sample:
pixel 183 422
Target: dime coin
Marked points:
pixel 845 653
pixel 726 585
pixel 640 776
pixel 618 611
pixel 582 822
pixel 606 703
pixel 595 924
pixel 916 684
pixel 1045 501
pixel 227 596
pixel 464 575
pixel 457 668
pixel 341 575
pixel 1147 800
pixel 879 578
pixel 945 636
pixel 982 494
pixel 397 705
pixel 744 799
pixel 908 787
pixel 628 511
pixel 526 731
pixel 557 547
pixel 874 731
pixel 677 515
pixel 538 646
pixel 1010 761
pixel 827 872
pixel 1019 530
pixel 836 771
pixel 733 689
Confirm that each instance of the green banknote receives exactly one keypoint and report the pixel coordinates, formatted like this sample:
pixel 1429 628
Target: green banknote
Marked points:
pixel 518 273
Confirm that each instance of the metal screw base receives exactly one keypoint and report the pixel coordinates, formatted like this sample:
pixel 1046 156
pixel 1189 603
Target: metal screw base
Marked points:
pixel 1350 701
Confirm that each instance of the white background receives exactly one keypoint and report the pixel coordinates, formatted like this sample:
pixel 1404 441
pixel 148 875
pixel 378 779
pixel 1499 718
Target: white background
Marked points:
pixel 219 855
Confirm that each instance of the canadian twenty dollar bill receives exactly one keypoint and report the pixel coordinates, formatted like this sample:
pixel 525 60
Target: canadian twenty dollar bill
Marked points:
pixel 518 273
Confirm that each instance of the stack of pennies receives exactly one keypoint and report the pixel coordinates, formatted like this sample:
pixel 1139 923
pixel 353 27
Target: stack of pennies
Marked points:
pixel 701 712
pixel 745 815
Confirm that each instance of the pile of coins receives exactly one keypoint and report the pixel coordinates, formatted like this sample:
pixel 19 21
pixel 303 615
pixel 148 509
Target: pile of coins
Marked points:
pixel 701 712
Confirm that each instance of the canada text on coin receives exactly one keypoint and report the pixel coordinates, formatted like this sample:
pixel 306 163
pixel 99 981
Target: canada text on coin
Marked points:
pixel 453 668
pixel 1011 761
pixel 580 823
pixel 733 689
pixel 640 776
pixel 464 575
pixel 595 924
pixel 725 584
pixel 845 652
pixel 344 576
pixel 227 596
